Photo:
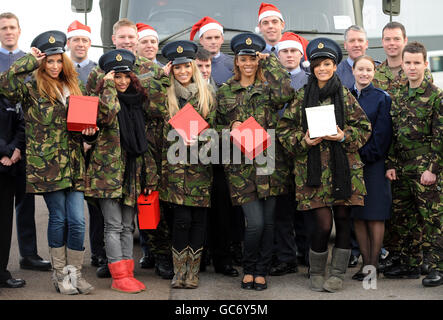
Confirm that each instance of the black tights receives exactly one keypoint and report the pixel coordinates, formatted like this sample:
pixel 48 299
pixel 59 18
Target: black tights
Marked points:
pixel 370 239
pixel 189 228
pixel 321 232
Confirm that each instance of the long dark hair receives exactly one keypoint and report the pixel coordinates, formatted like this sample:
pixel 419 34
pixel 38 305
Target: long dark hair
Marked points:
pixel 135 84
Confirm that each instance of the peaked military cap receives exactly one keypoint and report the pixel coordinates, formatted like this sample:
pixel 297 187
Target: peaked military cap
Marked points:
pixel 247 44
pixel 119 60
pixel 179 52
pixel 50 42
pixel 324 47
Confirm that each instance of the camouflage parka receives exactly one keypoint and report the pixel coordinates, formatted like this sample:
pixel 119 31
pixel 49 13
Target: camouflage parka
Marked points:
pixel 357 131
pixel 417 119
pixel 108 164
pixel 262 100
pixel 182 183
pixel 54 159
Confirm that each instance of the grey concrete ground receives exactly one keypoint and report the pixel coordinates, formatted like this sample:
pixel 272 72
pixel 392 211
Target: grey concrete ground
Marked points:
pixel 212 286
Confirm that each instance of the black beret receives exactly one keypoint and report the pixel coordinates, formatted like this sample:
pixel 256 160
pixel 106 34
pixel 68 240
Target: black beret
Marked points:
pixel 119 60
pixel 179 52
pixel 324 47
pixel 50 42
pixel 247 44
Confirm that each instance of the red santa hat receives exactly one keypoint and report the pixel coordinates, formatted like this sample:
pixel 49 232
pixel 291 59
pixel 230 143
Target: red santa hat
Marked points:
pixel 205 24
pixel 145 30
pixel 292 40
pixel 268 10
pixel 77 28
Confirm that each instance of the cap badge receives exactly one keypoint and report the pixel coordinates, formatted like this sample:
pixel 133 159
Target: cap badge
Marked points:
pixel 51 39
pixel 118 57
pixel 179 49
pixel 321 45
pixel 248 41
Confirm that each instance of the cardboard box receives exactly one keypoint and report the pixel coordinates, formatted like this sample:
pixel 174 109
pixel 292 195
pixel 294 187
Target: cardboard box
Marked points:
pixel 82 112
pixel 251 138
pixel 148 211
pixel 188 122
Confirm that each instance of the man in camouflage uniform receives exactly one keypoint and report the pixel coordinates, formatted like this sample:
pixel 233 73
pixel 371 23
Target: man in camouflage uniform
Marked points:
pixel 414 167
pixel 125 36
pixel 390 77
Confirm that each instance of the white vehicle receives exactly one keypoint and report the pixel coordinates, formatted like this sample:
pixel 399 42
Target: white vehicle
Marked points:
pixel 435 59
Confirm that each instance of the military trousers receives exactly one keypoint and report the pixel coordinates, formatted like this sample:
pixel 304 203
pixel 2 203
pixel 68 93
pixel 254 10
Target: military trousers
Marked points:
pixel 416 221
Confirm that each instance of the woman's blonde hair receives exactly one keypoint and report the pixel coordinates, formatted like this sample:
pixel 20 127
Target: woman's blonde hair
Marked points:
pixel 205 96
pixel 48 86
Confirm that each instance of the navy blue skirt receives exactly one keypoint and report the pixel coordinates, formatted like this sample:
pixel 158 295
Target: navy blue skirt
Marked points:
pixel 378 199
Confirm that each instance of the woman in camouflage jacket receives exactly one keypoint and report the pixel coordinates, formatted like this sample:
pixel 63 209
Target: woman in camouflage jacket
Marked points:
pixel 43 81
pixel 121 165
pixel 259 88
pixel 328 170
pixel 185 184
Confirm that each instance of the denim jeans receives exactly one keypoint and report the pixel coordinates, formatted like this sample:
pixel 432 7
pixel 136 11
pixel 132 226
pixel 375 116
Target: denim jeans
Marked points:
pixel 259 236
pixel 119 228
pixel 66 224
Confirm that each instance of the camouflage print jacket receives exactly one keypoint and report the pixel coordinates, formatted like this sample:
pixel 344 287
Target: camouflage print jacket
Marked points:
pixel 182 183
pixel 417 119
pixel 385 79
pixel 108 174
pixel 262 101
pixel 54 159
pixel 357 132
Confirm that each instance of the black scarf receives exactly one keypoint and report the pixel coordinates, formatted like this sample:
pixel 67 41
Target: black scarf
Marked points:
pixel 131 120
pixel 341 177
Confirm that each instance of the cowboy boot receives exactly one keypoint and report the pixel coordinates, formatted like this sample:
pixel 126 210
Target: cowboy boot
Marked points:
pixel 339 263
pixel 75 262
pixel 179 260
pixel 60 276
pixel 317 268
pixel 193 268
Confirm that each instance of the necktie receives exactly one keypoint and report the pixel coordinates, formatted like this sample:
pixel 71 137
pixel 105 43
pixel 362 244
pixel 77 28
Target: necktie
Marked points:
pixel 272 49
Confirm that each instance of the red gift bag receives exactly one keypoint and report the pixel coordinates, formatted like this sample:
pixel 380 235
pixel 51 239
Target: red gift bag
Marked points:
pixel 188 122
pixel 82 112
pixel 148 210
pixel 251 138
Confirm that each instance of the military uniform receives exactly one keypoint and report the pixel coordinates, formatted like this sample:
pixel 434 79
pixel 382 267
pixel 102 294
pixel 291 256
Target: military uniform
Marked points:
pixel 54 156
pixel 262 101
pixel 357 131
pixel 417 116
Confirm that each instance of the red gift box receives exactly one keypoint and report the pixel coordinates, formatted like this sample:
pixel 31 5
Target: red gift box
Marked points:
pixel 188 122
pixel 82 112
pixel 251 138
pixel 148 211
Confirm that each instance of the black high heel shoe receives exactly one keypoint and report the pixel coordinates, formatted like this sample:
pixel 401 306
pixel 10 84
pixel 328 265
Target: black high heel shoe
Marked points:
pixel 260 286
pixel 247 285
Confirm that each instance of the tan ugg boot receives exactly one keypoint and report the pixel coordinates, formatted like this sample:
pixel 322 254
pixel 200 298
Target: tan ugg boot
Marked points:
pixel 60 276
pixel 193 268
pixel 75 262
pixel 317 269
pixel 179 260
pixel 339 264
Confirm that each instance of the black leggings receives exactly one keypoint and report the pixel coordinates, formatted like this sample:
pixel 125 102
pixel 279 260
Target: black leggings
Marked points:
pixel 189 227
pixel 322 218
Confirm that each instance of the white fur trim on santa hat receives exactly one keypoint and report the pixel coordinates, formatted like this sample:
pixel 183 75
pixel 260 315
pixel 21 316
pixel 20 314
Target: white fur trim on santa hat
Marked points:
pixel 78 33
pixel 270 13
pixel 147 32
pixel 210 26
pixel 290 44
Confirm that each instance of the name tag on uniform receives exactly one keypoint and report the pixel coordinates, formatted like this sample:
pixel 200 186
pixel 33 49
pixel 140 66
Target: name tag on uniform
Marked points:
pixel 321 121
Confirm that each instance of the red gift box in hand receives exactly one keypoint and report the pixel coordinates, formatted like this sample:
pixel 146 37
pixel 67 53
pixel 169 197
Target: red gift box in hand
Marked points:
pixel 82 113
pixel 188 122
pixel 251 138
pixel 148 211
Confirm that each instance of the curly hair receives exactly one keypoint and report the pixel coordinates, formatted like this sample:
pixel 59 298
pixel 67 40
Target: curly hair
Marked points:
pixel 135 84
